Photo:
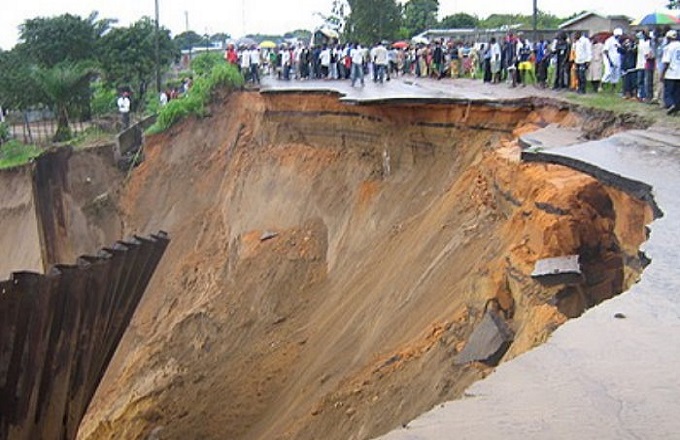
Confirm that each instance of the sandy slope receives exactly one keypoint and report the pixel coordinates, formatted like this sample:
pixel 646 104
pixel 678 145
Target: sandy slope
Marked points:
pixel 394 225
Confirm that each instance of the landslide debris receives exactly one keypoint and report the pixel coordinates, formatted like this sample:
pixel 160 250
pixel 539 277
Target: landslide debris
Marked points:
pixel 329 261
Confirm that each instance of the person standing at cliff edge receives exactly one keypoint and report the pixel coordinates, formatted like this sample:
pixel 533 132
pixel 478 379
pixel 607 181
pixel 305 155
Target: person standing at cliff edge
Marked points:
pixel 670 72
pixel 124 109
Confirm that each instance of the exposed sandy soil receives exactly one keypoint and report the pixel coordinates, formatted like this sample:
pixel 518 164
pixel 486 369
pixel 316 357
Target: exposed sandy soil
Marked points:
pixel 18 219
pixel 393 226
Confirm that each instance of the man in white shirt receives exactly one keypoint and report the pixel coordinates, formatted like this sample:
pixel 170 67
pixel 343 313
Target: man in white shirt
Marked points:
pixel 325 61
pixel 285 62
pixel 583 55
pixel 495 49
pixel 244 56
pixel 380 62
pixel 612 59
pixel 124 109
pixel 255 64
pixel 357 56
pixel 670 72
pixel 644 54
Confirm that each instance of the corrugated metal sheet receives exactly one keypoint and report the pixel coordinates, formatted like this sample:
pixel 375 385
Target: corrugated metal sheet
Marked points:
pixel 59 331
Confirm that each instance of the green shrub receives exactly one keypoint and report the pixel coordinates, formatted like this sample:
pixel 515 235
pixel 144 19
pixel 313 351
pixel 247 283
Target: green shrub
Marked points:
pixel 14 153
pixel 226 75
pixel 204 63
pixel 152 104
pixel 221 76
pixel 103 99
pixel 175 110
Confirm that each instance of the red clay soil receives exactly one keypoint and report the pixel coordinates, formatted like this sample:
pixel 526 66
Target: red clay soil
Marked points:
pixel 391 228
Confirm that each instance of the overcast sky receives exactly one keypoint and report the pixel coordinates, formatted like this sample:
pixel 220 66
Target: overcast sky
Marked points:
pixel 238 17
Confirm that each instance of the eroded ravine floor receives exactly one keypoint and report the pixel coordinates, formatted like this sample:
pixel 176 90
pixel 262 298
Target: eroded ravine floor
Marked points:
pixel 329 261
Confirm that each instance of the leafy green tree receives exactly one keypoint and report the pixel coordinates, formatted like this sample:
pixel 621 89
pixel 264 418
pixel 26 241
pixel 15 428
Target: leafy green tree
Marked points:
pixel 545 21
pixel 103 100
pixel 495 21
pixel 673 4
pixel 300 34
pixel 372 20
pixel 460 20
pixel 17 87
pixel 49 49
pixel 128 55
pixel 50 41
pixel 60 86
pixel 420 15
pixel 187 40
pixel 219 37
pixel 548 21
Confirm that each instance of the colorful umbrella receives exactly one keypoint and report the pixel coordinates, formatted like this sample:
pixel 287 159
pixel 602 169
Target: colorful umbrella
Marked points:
pixel 656 18
pixel 400 45
pixel 267 44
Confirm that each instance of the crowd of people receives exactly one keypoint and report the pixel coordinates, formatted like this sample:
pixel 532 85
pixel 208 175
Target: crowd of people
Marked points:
pixel 637 65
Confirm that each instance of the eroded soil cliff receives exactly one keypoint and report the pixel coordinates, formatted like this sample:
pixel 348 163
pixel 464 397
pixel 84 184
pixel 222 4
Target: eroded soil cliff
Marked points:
pixel 328 261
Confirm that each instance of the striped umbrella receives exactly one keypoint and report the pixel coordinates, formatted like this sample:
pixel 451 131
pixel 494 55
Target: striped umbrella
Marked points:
pixel 656 18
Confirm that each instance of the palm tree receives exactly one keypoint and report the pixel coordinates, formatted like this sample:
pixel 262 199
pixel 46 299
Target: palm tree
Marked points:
pixel 61 87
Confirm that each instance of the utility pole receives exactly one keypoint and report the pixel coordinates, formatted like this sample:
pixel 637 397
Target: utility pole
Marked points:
pixel 243 16
pixel 158 52
pixel 535 36
pixel 186 21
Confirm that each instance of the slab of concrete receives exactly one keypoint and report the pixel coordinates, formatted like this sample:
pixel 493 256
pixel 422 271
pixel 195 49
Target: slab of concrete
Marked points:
pixel 488 342
pixel 558 270
pixel 551 136
pixel 406 88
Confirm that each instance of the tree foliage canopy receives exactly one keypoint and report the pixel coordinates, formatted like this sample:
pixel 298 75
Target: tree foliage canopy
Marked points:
pixel 50 41
pixel 420 15
pixel 128 55
pixel 372 20
pixel 545 20
pixel 17 86
pixel 460 20
pixel 187 40
pixel 64 87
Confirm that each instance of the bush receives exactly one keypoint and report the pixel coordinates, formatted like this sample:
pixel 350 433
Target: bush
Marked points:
pixel 103 99
pixel 14 153
pixel 204 63
pixel 221 76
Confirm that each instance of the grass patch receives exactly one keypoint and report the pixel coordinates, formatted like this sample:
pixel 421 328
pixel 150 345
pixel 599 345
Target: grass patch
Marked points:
pixel 14 153
pixel 91 136
pixel 610 101
pixel 615 103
